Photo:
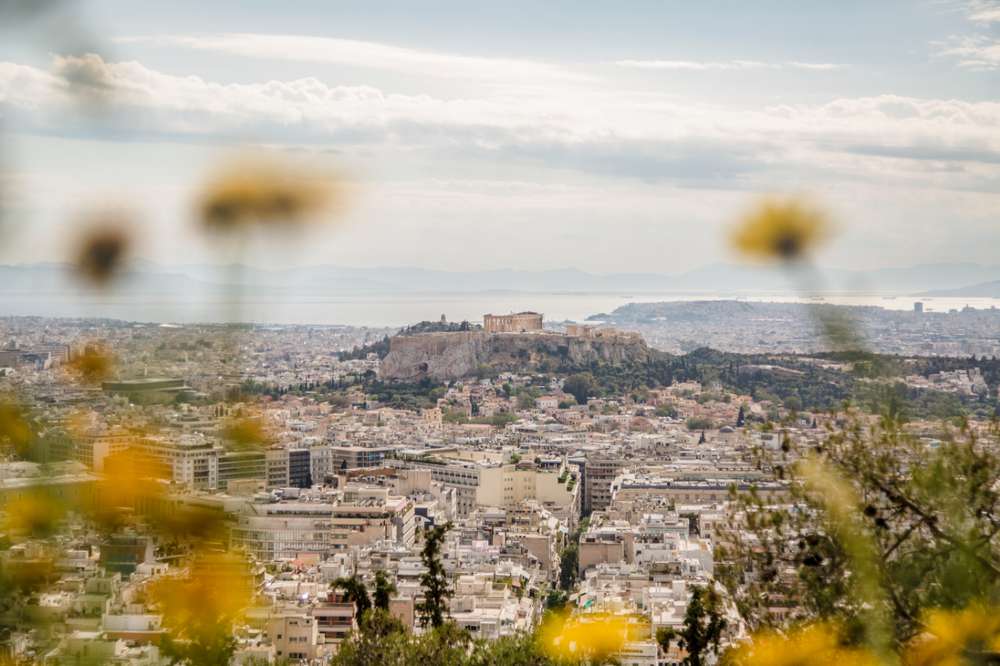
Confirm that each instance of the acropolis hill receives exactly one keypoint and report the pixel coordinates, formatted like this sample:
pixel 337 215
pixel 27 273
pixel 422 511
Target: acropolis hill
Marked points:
pixel 514 342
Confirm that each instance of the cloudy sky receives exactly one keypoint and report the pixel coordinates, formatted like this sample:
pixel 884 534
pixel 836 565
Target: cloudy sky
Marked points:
pixel 607 136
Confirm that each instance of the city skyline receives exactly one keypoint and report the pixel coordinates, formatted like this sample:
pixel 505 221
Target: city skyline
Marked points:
pixel 563 333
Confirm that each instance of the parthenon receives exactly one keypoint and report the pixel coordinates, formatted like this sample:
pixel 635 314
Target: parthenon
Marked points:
pixel 520 322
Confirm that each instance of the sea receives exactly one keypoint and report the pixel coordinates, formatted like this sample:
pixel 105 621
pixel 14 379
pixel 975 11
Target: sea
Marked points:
pixel 400 309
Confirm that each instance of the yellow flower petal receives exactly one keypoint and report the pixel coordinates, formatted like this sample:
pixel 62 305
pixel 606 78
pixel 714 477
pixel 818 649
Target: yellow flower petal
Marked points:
pixel 780 230
pixel 93 365
pixel 813 645
pixel 207 601
pixel 103 247
pixel 264 192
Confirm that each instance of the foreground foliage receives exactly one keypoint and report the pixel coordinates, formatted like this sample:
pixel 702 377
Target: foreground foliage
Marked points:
pixel 561 641
pixel 888 534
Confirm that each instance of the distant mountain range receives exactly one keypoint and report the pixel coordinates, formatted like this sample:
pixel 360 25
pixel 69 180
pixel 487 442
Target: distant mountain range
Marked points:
pixel 989 289
pixel 946 279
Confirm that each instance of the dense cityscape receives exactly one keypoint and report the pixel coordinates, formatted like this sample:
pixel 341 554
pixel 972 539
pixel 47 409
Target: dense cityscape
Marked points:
pixel 499 333
pixel 557 490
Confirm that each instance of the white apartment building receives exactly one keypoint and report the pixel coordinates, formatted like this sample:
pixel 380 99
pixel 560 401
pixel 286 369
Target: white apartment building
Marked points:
pixel 486 483
pixel 192 459
pixel 91 450
pixel 320 463
pixel 295 636
pixel 690 490
pixel 285 530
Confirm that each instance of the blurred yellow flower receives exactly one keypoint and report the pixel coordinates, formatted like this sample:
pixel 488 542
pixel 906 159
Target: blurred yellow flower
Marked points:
pixel 844 512
pixel 814 645
pixel 203 605
pixel 595 636
pixel 130 481
pixel 103 247
pixel 246 433
pixel 93 365
pixel 190 524
pixel 954 638
pixel 35 514
pixel 133 485
pixel 27 575
pixel 15 431
pixel 780 230
pixel 267 193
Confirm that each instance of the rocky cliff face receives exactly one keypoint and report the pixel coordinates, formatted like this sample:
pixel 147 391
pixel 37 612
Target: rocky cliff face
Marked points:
pixel 448 356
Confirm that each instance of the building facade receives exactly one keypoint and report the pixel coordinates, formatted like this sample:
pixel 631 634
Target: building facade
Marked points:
pixel 520 322
pixel 598 475
pixel 241 465
pixel 192 459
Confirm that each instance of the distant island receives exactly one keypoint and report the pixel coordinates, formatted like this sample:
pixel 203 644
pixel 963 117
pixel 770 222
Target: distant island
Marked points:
pixel 989 289
pixel 755 327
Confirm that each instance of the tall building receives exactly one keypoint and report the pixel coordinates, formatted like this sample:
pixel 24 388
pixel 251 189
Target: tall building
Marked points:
pixel 321 463
pixel 123 553
pixel 91 450
pixel 288 468
pixel 598 474
pixel 239 465
pixel 285 530
pixel 192 459
pixel 276 462
pixel 918 307
pixel 354 457
pixel 299 469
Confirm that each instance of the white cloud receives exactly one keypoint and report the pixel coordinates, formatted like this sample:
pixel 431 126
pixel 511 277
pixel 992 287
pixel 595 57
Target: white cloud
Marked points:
pixel 821 66
pixel 374 55
pixel 692 64
pixel 603 132
pixel 698 65
pixel 980 51
pixel 976 53
pixel 983 11
pixel 357 53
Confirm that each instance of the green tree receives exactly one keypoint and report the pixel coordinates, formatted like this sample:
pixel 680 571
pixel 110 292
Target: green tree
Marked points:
pixel 793 403
pixel 699 423
pixel 518 650
pixel 433 608
pixel 581 386
pixel 883 528
pixel 384 642
pixel 666 410
pixel 665 636
pixel 384 589
pixel 356 592
pixel 556 600
pixel 382 639
pixel 569 564
pixel 212 649
pixel 703 627
pixel 526 397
